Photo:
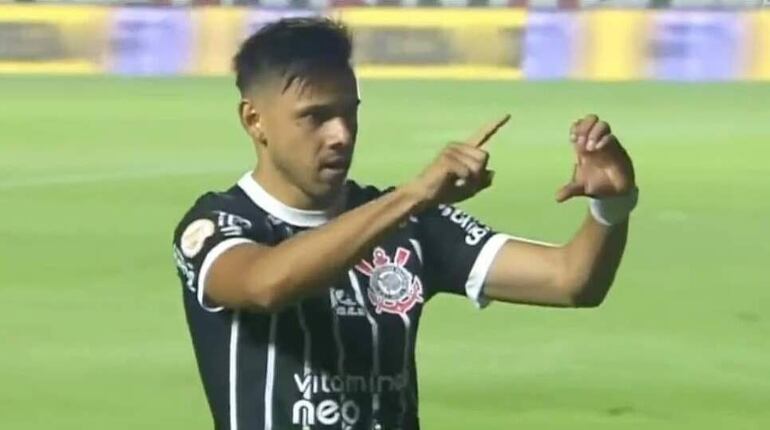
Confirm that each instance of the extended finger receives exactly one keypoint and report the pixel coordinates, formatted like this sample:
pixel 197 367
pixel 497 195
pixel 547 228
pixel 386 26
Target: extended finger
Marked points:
pixel 484 134
pixel 598 131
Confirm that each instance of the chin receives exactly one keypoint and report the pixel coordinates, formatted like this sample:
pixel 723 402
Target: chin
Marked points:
pixel 330 184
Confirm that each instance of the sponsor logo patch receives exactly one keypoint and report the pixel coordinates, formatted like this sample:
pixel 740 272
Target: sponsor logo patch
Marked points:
pixel 232 225
pixel 340 411
pixel 327 412
pixel 473 229
pixel 344 305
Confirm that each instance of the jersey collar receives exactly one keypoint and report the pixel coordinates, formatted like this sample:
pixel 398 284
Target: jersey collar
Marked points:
pixel 287 214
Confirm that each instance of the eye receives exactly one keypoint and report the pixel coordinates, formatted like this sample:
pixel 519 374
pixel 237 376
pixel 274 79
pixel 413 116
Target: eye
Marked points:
pixel 317 117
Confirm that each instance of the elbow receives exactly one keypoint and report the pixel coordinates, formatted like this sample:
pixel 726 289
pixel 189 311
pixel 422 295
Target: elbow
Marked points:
pixel 584 292
pixel 588 295
pixel 587 301
pixel 582 289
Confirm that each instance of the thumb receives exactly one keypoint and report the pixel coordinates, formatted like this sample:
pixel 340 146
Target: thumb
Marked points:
pixel 573 189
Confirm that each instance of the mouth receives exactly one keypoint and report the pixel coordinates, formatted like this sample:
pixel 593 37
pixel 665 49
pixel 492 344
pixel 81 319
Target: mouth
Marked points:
pixel 339 164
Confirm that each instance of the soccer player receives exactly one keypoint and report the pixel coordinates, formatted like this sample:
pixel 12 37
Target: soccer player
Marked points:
pixel 303 290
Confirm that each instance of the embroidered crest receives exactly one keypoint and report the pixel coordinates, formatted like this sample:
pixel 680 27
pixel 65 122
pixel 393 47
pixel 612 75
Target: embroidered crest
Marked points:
pixel 392 288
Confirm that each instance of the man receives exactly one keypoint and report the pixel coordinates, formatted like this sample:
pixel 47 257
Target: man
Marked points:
pixel 303 291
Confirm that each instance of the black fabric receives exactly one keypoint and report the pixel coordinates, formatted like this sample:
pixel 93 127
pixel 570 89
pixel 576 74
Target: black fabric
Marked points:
pixel 342 359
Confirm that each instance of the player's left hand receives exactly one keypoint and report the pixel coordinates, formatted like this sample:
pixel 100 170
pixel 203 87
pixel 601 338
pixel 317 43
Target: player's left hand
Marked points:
pixel 603 168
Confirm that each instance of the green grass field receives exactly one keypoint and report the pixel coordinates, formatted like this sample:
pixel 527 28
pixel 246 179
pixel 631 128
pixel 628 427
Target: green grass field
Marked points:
pixel 95 173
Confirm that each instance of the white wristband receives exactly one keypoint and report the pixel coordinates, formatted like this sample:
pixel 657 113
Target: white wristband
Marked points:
pixel 614 210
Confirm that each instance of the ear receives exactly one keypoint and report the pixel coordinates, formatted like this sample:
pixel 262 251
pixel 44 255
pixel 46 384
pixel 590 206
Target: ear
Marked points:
pixel 251 120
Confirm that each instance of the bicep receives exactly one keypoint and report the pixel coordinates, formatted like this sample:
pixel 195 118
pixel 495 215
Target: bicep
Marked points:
pixel 204 242
pixel 528 272
pixel 228 280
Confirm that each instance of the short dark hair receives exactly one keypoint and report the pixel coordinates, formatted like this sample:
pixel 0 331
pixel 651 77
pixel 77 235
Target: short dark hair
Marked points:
pixel 291 48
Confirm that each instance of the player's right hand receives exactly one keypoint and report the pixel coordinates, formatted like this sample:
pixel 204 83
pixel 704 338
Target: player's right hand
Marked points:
pixel 460 170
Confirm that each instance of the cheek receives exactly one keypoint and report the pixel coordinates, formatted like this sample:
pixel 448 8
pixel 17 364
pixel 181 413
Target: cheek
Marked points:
pixel 297 148
pixel 285 136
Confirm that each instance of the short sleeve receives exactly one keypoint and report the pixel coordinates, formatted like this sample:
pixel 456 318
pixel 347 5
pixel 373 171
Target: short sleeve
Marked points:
pixel 205 233
pixel 458 251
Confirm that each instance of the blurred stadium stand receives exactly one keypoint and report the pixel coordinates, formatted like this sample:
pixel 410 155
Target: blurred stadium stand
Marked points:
pixel 682 40
pixel 535 4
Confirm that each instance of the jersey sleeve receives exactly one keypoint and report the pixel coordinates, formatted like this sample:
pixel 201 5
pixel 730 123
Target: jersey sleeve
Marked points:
pixel 208 230
pixel 458 251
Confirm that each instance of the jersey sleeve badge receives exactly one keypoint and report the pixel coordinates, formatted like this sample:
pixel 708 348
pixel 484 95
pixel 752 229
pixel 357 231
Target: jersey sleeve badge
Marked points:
pixel 195 235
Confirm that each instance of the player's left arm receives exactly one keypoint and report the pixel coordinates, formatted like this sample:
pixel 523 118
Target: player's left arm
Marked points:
pixel 579 273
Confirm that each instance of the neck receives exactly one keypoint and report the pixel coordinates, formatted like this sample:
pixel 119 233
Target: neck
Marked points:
pixel 287 193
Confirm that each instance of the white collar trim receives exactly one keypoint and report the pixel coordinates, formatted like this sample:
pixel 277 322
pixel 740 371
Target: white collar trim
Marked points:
pixel 287 214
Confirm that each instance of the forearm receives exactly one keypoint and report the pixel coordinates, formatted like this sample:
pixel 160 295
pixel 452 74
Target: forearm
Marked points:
pixel 310 261
pixel 592 258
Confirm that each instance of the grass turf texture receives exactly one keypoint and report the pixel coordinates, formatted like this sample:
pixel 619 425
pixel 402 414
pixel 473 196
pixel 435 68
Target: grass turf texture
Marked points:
pixel 95 172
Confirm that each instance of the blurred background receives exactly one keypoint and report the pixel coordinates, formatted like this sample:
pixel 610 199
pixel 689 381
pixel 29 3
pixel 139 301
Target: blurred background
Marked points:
pixel 687 40
pixel 115 116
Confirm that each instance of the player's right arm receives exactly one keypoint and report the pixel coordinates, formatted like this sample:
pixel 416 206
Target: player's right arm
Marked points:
pixel 251 275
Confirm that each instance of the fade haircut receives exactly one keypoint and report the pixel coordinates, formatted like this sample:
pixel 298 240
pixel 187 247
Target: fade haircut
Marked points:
pixel 291 49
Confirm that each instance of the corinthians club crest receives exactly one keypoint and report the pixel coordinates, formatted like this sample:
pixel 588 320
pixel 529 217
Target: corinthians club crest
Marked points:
pixel 392 288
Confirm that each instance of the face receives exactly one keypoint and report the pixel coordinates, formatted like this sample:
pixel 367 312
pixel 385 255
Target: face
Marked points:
pixel 305 134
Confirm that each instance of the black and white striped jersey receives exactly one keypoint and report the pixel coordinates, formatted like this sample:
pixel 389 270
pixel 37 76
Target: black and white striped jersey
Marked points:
pixel 343 359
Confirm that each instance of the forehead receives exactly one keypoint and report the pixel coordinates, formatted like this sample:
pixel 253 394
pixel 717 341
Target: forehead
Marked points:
pixel 318 87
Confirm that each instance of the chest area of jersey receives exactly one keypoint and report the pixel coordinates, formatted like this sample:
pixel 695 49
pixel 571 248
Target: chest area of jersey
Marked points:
pixel 387 282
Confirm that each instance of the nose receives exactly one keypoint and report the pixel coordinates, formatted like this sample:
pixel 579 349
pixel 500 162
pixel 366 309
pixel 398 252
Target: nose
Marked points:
pixel 339 132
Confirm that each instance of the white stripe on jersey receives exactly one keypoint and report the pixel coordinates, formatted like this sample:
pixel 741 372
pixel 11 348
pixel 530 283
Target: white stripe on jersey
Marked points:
pixel 307 349
pixel 337 336
pixel 407 343
pixel 417 248
pixel 405 369
pixel 375 340
pixel 337 341
pixel 234 335
pixel 270 374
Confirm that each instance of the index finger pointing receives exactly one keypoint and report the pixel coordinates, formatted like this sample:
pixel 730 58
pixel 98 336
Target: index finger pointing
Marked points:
pixel 483 135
